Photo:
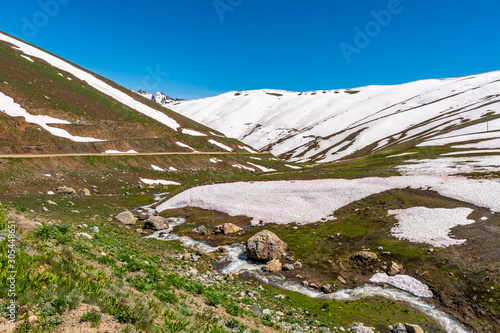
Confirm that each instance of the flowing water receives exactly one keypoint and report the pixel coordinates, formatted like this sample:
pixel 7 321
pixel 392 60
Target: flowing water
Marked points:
pixel 234 259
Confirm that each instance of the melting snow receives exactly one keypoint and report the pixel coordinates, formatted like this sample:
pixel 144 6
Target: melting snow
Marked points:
pixel 158 182
pixel 27 58
pixel 223 146
pixel 192 132
pixel 472 152
pixel 215 160
pixel 263 168
pixel 185 146
pixel 248 149
pixel 495 143
pixel 293 166
pixel 157 168
pixel 403 282
pixel 239 166
pixel 9 107
pixel 430 225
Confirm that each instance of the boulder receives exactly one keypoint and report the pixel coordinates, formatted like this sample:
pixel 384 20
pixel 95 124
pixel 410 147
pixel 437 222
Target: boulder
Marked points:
pixel 364 257
pixel 143 217
pixel 288 267
pixel 66 190
pixel 53 203
pixel 94 230
pixel 297 265
pixel 265 246
pixel 156 223
pixel 273 266
pixel 126 218
pixel 361 328
pixel 84 235
pixel 32 320
pixel 202 230
pixel 394 269
pixel 413 328
pixel 227 229
pixel 399 328
pixel 327 288
pixel 85 192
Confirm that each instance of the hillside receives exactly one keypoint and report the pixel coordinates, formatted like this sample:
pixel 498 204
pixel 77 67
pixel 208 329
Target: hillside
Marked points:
pixel 325 126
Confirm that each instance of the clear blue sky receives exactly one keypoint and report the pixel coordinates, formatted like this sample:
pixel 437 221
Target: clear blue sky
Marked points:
pixel 254 44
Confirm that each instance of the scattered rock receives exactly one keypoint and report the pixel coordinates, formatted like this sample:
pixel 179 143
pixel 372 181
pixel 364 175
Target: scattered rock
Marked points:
pixel 85 192
pixel 305 283
pixel 252 293
pixel 364 257
pixel 32 319
pixel 66 190
pixel 94 230
pixel 399 328
pixel 53 203
pixel 380 248
pixel 297 265
pixel 387 253
pixel 265 246
pixel 45 209
pixel 227 229
pixel 266 312
pixel 342 280
pixel 327 288
pixel 361 328
pixel 83 234
pixel 288 267
pixel 394 269
pixel 143 217
pixel 202 230
pixel 222 250
pixel 126 218
pixel 156 223
pixel 413 328
pixel 273 266
pixel 313 285
pixel 430 250
pixel 256 310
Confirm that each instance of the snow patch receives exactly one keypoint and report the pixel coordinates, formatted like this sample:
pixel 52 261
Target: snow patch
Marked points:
pixel 185 146
pixel 403 282
pixel 158 182
pixel 239 166
pixel 248 149
pixel 27 58
pixel 262 168
pixel 215 160
pixel 221 145
pixel 192 132
pixel 157 168
pixel 430 225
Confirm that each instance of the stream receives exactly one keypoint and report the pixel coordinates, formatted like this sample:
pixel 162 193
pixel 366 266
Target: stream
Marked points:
pixel 234 259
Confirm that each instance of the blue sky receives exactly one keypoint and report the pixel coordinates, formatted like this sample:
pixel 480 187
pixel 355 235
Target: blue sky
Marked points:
pixel 200 48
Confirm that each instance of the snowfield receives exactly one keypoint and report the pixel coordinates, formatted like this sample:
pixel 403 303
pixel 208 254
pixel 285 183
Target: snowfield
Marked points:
pixel 430 225
pixel 325 126
pixel 10 108
pixel 310 201
pixel 403 282
pixel 158 182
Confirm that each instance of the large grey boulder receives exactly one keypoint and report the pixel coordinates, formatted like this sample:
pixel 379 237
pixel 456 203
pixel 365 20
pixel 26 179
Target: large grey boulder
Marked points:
pixel 265 246
pixel 126 218
pixel 156 223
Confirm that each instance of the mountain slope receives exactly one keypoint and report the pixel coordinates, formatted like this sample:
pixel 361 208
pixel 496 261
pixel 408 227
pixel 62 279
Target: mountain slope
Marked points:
pixel 49 105
pixel 325 126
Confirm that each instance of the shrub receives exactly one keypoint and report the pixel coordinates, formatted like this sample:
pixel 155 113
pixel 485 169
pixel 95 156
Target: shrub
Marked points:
pixel 124 314
pixel 54 320
pixel 166 296
pixel 93 317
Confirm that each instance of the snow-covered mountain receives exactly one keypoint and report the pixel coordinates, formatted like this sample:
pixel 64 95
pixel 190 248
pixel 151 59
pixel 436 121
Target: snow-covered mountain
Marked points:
pixel 324 126
pixel 158 97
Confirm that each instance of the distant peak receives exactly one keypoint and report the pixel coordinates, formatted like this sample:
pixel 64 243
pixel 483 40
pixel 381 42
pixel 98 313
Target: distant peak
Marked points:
pixel 158 97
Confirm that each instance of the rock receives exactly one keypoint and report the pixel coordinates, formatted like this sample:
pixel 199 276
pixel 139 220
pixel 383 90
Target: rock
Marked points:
pixel 394 269
pixel 227 229
pixel 380 248
pixel 413 328
pixel 361 328
pixel 327 288
pixel 66 190
pixel 265 246
pixel 273 266
pixel 297 265
pixel 85 192
pixel 256 310
pixel 364 257
pixel 53 203
pixel 126 218
pixel 288 267
pixel 32 319
pixel 83 234
pixel 387 253
pixel 143 217
pixel 313 285
pixel 342 280
pixel 45 209
pixel 430 250
pixel 251 293
pixel 305 283
pixel 399 328
pixel 156 223
pixel 222 250
pixel 202 230
pixel 266 312
pixel 94 230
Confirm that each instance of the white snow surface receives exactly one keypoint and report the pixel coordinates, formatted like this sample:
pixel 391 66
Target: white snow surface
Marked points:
pixel 494 143
pixel 158 182
pixel 451 165
pixel 262 168
pixel 221 145
pixel 185 146
pixel 93 81
pixel 403 282
pixel 248 149
pixel 27 58
pixel 120 152
pixel 311 201
pixel 240 166
pixel 468 152
pixel 10 108
pixel 157 168
pixel 318 124
pixel 430 225
pixel 192 132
